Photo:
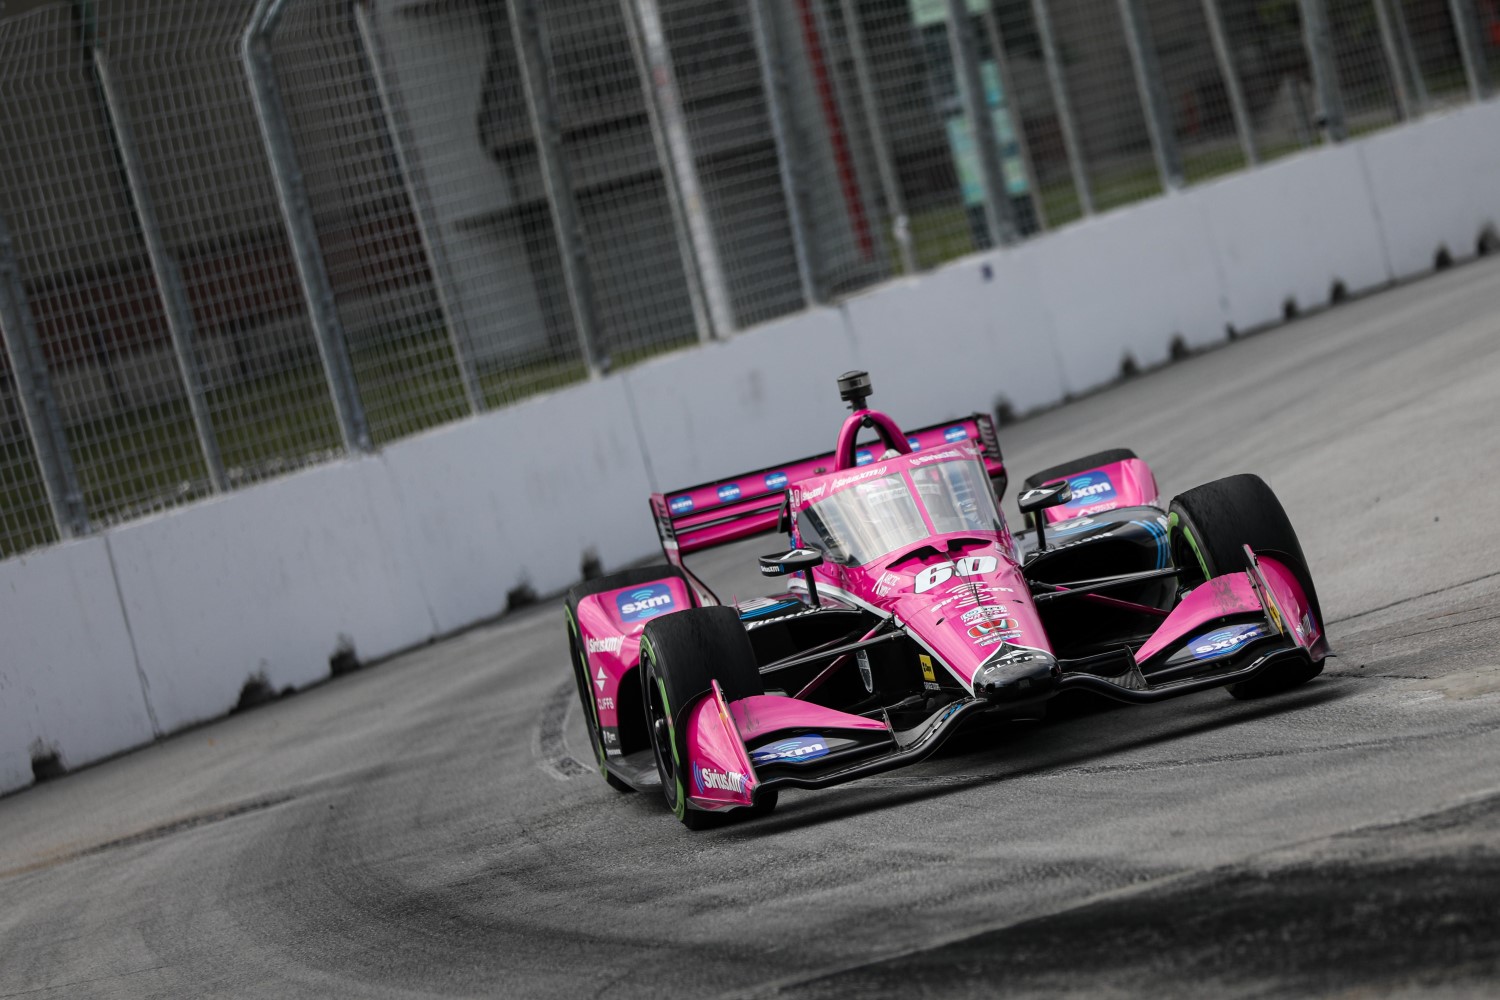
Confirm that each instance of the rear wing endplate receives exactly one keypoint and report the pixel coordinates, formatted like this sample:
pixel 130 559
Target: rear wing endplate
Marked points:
pixel 739 507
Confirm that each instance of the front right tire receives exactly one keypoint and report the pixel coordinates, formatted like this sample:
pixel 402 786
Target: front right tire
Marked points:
pixel 1208 528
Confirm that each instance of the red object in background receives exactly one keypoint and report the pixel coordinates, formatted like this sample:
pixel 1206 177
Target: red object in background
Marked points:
pixel 843 159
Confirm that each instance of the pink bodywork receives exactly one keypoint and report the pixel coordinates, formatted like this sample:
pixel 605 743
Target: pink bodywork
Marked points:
pixel 717 774
pixel 764 714
pixel 962 593
pixel 612 638
pixel 1119 484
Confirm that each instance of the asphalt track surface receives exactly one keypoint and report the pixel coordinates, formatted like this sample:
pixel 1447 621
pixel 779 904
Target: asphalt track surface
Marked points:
pixel 424 828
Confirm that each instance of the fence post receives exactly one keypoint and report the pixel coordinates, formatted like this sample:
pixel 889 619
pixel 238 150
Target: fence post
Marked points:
pixel 180 326
pixel 1394 62
pixel 674 150
pixel 38 405
pixel 1153 93
pixel 869 100
pixel 1409 54
pixel 1466 26
pixel 302 230
pixel 1064 107
pixel 535 60
pixel 1230 72
pixel 1318 37
pixel 768 55
pixel 414 179
pixel 999 214
pixel 1018 121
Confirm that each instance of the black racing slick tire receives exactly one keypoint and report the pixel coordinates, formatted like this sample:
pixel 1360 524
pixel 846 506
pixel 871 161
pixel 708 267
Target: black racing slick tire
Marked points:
pixel 681 656
pixel 1208 528
pixel 600 585
pixel 1083 464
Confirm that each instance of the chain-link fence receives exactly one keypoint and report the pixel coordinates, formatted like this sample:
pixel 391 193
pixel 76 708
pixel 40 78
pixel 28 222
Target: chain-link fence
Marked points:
pixel 244 236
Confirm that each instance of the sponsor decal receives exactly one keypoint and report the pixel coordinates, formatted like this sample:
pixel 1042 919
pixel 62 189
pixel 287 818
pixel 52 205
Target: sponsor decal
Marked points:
pixel 762 620
pixel 606 704
pixel 729 491
pixel 1068 527
pixel 611 738
pixel 1091 489
pixel 956 434
pixel 794 750
pixel 776 481
pixel 940 456
pixel 887 583
pixel 941 573
pixel 998 637
pixel 810 495
pixel 682 505
pixel 843 481
pixel 1225 641
pixel 600 679
pixel 863 457
pixel 928 674
pixel 724 781
pixel 988 613
pixel 980 630
pixel 915 444
pixel 609 644
pixel 647 602
pixel 760 607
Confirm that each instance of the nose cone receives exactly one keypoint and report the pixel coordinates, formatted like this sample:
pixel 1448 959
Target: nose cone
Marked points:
pixel 1016 673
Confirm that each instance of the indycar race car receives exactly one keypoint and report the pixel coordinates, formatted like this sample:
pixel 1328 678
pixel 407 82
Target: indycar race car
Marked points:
pixel 914 608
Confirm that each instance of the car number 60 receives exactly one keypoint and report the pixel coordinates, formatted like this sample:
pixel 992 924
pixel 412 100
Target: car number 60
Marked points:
pixel 932 576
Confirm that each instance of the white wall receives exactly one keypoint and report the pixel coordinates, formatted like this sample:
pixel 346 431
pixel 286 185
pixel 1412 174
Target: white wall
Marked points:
pixel 68 682
pixel 388 551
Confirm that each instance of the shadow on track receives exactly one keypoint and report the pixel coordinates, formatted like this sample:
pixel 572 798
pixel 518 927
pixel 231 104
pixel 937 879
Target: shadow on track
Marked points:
pixel 932 787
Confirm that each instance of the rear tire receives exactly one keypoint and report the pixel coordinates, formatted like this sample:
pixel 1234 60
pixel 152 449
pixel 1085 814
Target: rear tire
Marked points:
pixel 600 585
pixel 1208 527
pixel 681 656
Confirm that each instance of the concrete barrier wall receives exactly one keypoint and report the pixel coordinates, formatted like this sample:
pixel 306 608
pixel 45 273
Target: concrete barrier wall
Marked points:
pixel 68 681
pixel 158 624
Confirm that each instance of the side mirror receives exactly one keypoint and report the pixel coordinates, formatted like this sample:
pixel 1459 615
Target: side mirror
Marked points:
pixel 1050 495
pixel 1033 502
pixel 794 561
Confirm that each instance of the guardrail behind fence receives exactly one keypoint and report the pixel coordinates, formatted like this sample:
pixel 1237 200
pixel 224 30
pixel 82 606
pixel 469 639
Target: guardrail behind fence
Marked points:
pixel 240 237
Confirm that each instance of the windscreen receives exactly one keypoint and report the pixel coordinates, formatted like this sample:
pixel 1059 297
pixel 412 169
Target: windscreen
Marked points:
pixel 957 496
pixel 864 522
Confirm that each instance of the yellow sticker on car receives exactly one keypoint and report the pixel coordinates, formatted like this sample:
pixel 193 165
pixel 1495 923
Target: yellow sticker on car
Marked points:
pixel 926 661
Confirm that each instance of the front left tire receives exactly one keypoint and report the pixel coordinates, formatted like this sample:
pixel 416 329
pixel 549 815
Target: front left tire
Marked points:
pixel 681 656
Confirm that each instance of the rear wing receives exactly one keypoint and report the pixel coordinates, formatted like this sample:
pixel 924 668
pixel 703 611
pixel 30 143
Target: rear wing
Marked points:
pixel 729 510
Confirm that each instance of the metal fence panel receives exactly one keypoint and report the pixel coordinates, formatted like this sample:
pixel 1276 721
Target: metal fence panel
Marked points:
pixel 428 209
pixel 183 88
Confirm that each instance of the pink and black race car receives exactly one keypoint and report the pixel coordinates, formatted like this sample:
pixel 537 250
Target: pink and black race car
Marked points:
pixel 914 608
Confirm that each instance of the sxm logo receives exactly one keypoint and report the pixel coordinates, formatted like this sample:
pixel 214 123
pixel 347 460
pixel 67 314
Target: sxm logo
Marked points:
pixel 791 751
pixel 1095 487
pixel 1225 641
pixel 646 602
